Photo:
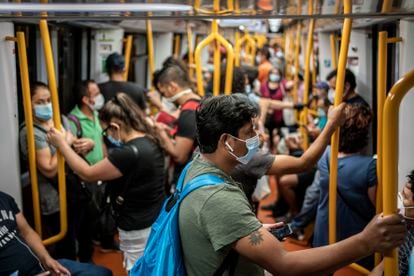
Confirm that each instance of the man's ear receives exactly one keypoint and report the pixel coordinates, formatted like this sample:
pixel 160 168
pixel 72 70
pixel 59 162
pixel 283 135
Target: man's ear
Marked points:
pixel 85 100
pixel 225 142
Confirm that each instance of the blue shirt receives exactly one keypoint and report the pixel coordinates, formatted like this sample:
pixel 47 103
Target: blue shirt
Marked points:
pixel 356 174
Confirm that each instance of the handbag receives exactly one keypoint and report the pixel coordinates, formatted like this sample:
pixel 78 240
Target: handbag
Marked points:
pixel 106 224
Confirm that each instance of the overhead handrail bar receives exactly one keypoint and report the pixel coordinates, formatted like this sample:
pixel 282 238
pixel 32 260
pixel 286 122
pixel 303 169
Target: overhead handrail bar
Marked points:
pixel 248 40
pixel 218 39
pixel 47 47
pixel 216 7
pixel 128 50
pixel 390 157
pixel 28 115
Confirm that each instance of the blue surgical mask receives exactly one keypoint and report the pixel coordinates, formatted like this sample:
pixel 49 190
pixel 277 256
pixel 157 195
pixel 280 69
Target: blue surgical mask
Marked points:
pixel 252 145
pixel 274 77
pixel 248 88
pixel 114 142
pixel 43 112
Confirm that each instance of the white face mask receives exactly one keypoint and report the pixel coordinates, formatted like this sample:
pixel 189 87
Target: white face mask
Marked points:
pixel 256 85
pixel 331 95
pixel 258 59
pixel 178 95
pixel 252 145
pixel 99 102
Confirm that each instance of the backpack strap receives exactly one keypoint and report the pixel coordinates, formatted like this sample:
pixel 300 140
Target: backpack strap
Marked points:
pixel 75 120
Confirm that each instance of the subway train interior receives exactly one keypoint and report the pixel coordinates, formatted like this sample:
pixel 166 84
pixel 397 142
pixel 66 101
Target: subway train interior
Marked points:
pixel 298 61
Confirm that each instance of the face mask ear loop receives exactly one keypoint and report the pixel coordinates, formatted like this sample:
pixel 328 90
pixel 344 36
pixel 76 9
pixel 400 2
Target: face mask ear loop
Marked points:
pixel 230 148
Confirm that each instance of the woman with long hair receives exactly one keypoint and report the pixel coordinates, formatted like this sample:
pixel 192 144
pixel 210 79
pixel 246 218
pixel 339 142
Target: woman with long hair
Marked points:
pixel 134 170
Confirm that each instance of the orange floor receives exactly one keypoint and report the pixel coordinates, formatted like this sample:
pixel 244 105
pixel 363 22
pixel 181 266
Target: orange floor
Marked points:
pixel 114 260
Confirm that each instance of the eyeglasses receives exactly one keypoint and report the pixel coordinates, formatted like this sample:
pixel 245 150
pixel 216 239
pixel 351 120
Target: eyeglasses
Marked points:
pixel 105 131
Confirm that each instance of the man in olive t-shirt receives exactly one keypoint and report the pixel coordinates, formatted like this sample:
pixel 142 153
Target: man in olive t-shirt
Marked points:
pixel 217 218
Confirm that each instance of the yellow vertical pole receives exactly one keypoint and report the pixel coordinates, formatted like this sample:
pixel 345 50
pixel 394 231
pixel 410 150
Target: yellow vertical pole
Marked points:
pixel 27 106
pixel 47 47
pixel 296 59
pixel 314 73
pixel 217 63
pixel 177 42
pixel 340 81
pixel 190 51
pixel 332 38
pixel 386 6
pixel 236 49
pixel 381 91
pixel 150 45
pixel 307 77
pixel 390 157
pixel 128 49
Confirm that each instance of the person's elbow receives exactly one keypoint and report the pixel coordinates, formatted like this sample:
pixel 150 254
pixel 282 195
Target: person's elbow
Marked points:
pixel 87 175
pixel 305 164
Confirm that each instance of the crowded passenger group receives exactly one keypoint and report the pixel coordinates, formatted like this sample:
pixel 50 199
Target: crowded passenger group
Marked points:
pixel 125 148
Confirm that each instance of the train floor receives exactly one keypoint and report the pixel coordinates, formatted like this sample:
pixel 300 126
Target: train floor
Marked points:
pixel 114 260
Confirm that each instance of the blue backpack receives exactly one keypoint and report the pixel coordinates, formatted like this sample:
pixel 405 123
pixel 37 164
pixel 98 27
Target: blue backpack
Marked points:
pixel 163 253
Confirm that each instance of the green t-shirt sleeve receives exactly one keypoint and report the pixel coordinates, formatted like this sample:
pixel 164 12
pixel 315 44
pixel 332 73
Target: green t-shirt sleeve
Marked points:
pixel 227 217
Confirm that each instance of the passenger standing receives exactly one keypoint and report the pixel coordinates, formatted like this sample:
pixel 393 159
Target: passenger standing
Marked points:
pixel 349 95
pixel 115 67
pixel 264 64
pixel 273 89
pixel 47 167
pixel 176 87
pixel 215 219
pixel 134 171
pixel 84 121
pixel 357 180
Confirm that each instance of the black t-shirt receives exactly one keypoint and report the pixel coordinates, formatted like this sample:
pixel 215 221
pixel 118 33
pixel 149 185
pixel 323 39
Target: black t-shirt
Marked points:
pixel 357 100
pixel 110 88
pixel 144 174
pixel 14 253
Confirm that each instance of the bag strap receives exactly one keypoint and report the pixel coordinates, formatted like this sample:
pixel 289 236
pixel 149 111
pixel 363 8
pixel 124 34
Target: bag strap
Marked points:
pixel 200 181
pixel 76 121
pixel 344 200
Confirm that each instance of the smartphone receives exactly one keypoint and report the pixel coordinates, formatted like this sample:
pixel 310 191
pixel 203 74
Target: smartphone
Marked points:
pixel 281 233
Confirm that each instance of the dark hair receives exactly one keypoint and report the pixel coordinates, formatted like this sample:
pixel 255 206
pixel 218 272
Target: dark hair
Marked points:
pixel 123 108
pixel 349 77
pixel 411 181
pixel 173 73
pixel 81 90
pixel 354 133
pixel 115 63
pixel 172 61
pixel 265 51
pixel 251 72
pixel 222 114
pixel 238 81
pixel 36 85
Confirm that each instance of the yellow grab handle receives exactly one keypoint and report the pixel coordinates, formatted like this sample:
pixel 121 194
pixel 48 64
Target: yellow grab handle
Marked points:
pixel 128 49
pixel 340 81
pixel 150 45
pixel 47 47
pixel 190 51
pixel 390 157
pixel 28 115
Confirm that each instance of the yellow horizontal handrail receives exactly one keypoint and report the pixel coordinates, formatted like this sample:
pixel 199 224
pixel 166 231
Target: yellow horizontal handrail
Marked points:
pixel 390 157
pixel 47 47
pixel 128 49
pixel 219 40
pixel 28 115
pixel 360 269
pixel 249 41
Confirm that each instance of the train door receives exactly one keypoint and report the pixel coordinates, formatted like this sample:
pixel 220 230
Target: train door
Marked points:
pixel 9 148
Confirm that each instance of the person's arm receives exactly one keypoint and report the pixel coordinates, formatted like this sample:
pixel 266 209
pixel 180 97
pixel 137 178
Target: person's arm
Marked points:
pixel 103 170
pixel 179 150
pixel 372 194
pixel 261 247
pixel 46 162
pixel 285 164
pixel 34 242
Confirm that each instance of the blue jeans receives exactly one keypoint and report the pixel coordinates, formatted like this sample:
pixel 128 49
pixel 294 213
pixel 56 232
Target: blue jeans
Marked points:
pixel 310 205
pixel 84 269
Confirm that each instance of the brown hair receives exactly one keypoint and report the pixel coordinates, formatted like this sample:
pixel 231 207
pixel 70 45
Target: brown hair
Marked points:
pixel 34 86
pixel 123 108
pixel 354 133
